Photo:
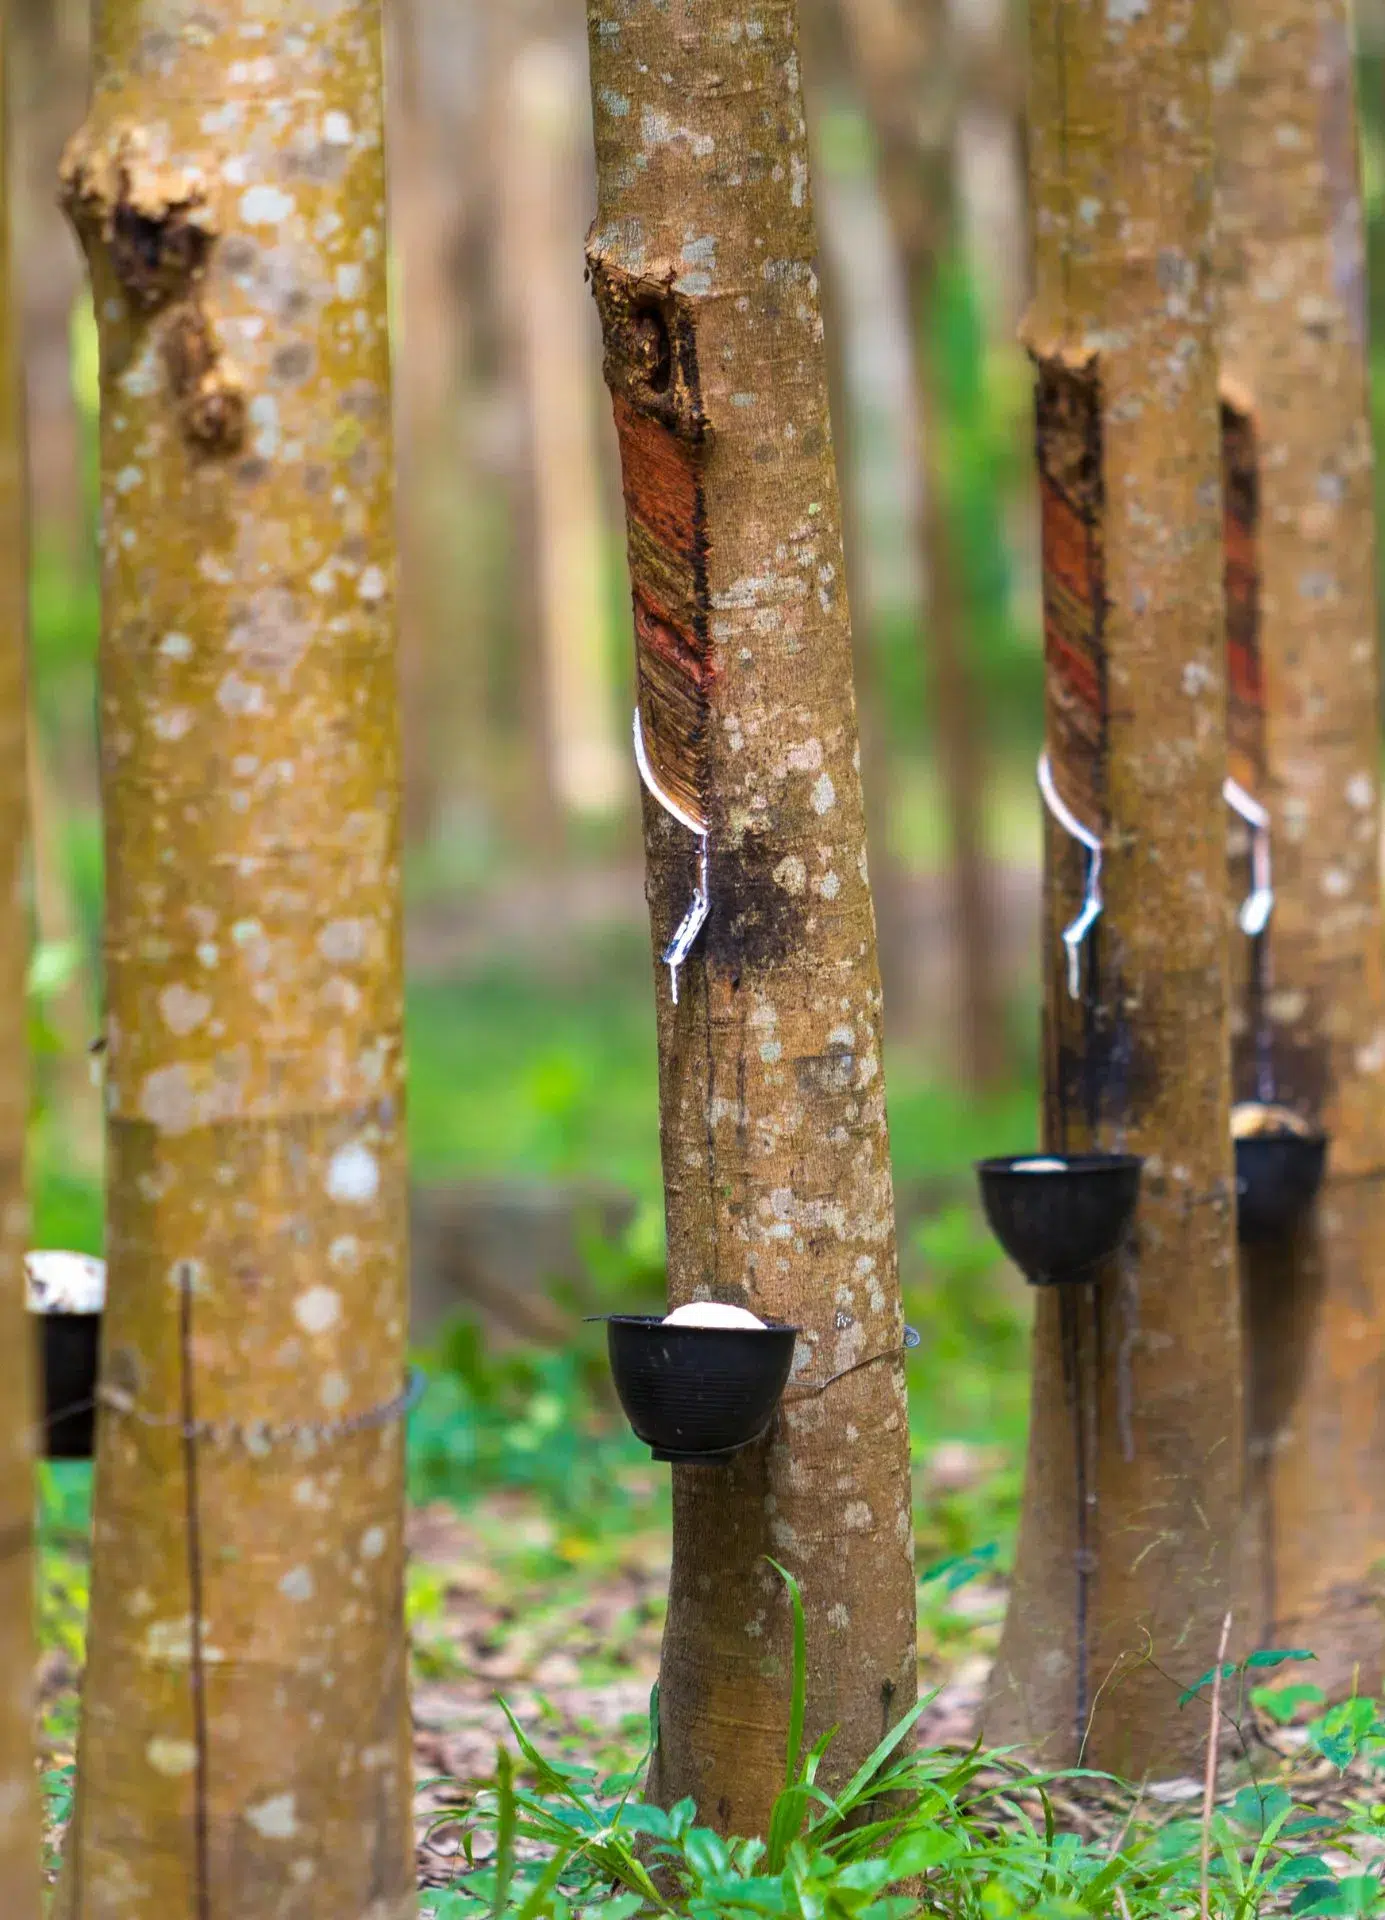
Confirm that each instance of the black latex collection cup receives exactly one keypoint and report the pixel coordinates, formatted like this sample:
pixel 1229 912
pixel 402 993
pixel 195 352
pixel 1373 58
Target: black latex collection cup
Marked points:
pixel 698 1395
pixel 1278 1173
pixel 70 1355
pixel 1059 1216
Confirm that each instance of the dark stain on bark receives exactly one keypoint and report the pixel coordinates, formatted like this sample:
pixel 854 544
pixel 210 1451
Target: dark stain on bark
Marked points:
pixel 1102 1076
pixel 152 258
pixel 1300 1059
pixel 754 923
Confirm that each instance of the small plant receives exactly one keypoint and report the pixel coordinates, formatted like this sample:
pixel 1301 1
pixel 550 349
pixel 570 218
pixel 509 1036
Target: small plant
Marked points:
pixel 959 1836
pixel 527 1418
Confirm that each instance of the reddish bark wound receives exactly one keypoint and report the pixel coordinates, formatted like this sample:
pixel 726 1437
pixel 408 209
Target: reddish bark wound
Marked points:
pixel 667 542
pixel 1070 489
pixel 662 487
pixel 1245 693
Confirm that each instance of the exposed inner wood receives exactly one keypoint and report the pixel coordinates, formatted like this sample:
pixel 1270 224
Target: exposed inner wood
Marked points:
pixel 666 524
pixel 1070 488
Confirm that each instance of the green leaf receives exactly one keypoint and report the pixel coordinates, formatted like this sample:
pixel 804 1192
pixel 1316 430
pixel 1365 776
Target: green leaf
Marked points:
pixel 1283 1703
pixel 1295 1867
pixel 786 1822
pixel 1339 1734
pixel 1357 1893
pixel 706 1853
pixel 959 1569
pixel 553 1779
pixel 1277 1656
pixel 1226 1673
pixel 921 1850
pixel 866 1774
pixel 682 1817
pixel 538 1901
pixel 1255 1807
pixel 759 1893
pixel 864 1876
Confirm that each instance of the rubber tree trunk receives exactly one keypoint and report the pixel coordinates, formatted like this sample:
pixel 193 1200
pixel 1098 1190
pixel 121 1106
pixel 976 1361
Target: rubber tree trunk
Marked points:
pixel 775 1146
pixel 48 75
pixel 1294 344
pixel 19 1827
pixel 244 1744
pixel 989 155
pixel 531 803
pixel 449 559
pixel 899 47
pixel 820 29
pixel 1134 1485
pixel 547 124
pixel 426 421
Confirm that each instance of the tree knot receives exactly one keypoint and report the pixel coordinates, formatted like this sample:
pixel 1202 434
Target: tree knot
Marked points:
pixel 206 384
pixel 149 224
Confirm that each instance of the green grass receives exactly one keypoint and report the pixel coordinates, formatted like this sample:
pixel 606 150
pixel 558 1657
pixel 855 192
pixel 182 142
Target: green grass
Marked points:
pixel 957 1835
pixel 516 1071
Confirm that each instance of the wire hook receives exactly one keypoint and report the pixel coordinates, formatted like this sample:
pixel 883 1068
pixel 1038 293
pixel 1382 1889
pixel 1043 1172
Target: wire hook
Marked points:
pixel 1258 905
pixel 699 909
pixel 1074 937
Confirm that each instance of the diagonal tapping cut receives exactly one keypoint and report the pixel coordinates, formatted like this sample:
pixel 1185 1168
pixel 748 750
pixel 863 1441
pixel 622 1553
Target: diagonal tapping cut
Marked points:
pixel 652 371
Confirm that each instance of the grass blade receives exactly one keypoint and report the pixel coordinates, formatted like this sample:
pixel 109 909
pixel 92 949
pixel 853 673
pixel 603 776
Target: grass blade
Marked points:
pixel 504 1832
pixel 798 1707
pixel 864 1775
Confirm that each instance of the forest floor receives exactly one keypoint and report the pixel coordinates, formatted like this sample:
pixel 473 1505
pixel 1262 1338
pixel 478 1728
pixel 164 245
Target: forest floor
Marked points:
pixel 565 1628
pixel 553 1607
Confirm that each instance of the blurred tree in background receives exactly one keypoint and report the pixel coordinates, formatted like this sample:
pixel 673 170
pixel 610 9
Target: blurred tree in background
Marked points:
pixel 19 1855
pixel 1127 1542
pixel 1292 241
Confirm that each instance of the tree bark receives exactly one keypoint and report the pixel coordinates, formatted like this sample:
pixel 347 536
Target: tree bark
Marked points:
pixel 19 1826
pixel 824 60
pixel 544 120
pixel 427 419
pixel 48 74
pixel 775 1145
pixel 244 1742
pixel 1134 1565
pixel 989 155
pixel 1294 343
pixel 898 47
